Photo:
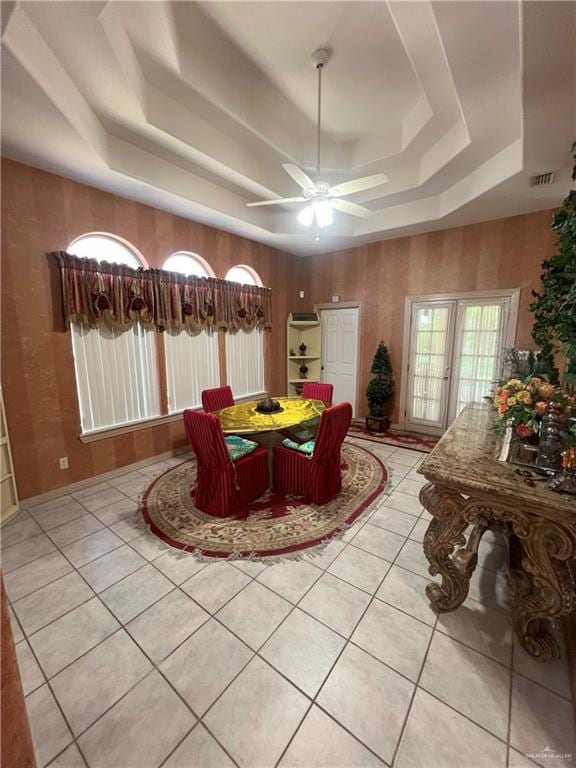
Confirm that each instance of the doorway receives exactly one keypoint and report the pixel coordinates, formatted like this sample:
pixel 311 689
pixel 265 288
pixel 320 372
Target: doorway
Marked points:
pixel 340 352
pixel 453 352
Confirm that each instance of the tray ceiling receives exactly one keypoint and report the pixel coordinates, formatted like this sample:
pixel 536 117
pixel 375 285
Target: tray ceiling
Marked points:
pixel 193 107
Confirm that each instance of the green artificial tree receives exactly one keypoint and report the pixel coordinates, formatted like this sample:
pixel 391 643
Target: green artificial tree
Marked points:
pixel 381 388
pixel 554 310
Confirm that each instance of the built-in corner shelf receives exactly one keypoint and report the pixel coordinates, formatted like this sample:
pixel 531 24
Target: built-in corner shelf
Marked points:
pixel 9 495
pixel 303 329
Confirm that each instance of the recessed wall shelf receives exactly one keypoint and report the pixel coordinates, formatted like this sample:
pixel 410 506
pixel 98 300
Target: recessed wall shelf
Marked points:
pixel 309 332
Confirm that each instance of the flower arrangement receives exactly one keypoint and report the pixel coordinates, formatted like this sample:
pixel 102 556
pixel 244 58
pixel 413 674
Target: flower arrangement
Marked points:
pixel 522 403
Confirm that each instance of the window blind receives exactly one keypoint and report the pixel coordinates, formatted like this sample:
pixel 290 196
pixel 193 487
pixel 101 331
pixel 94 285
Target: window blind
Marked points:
pixel 245 362
pixel 116 375
pixel 191 365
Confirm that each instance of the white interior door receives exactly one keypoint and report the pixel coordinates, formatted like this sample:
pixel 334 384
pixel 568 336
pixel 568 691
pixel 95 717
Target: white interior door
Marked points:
pixel 340 353
pixel 431 342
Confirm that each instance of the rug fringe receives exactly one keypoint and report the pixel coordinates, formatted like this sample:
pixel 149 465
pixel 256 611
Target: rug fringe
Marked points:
pixel 316 551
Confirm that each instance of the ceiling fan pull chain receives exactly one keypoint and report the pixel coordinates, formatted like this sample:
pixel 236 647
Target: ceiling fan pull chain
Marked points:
pixel 319 68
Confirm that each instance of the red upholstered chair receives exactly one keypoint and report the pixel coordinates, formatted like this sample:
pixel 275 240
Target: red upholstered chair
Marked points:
pixel 223 487
pixel 216 399
pixel 314 390
pixel 317 477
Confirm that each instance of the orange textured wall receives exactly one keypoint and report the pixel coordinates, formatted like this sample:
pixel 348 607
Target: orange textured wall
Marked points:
pixel 506 253
pixel 42 212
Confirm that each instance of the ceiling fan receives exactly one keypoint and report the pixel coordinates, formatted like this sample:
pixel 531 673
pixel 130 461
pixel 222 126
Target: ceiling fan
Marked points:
pixel 322 198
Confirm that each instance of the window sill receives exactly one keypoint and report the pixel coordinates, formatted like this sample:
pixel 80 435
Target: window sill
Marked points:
pixel 132 426
pixel 154 421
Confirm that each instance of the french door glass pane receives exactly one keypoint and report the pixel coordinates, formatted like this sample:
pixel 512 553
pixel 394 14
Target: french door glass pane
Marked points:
pixel 479 351
pixel 429 362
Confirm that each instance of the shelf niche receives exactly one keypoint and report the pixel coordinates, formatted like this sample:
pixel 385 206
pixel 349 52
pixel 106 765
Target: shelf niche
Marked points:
pixel 309 332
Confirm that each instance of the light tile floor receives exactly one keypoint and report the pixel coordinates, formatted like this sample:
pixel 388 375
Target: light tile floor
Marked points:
pixel 134 655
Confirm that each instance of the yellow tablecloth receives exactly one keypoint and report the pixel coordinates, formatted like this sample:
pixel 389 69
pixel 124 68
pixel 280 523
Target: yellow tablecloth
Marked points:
pixel 245 419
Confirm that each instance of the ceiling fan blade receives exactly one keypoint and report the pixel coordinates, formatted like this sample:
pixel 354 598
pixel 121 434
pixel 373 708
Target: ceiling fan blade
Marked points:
pixel 301 178
pixel 353 209
pixel 280 201
pixel 357 185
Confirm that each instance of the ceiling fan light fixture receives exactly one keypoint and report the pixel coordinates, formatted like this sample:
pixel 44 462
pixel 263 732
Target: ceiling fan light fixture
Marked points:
pixel 306 216
pixel 323 211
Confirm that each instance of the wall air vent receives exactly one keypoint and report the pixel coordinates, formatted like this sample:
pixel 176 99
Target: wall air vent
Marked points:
pixel 541 179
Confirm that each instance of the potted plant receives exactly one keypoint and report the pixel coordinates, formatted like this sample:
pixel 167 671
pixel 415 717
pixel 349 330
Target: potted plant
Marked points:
pixel 379 390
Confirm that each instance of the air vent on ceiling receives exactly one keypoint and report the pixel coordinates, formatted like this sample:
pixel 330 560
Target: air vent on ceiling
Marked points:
pixel 541 179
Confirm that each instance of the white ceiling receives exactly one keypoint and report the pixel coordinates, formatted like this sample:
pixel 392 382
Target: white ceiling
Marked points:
pixel 193 107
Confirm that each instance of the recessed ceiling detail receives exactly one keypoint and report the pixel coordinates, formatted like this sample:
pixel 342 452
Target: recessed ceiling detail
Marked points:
pixel 195 107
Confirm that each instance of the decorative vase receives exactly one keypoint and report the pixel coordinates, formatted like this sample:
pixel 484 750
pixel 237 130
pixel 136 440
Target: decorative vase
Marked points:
pixel 302 348
pixel 553 439
pixel 303 371
pixel 565 481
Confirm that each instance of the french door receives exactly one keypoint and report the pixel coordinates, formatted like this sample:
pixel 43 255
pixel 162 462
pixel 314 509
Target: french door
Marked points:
pixel 454 354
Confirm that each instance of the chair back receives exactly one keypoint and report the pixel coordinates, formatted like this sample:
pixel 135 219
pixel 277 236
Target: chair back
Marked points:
pixel 314 390
pixel 217 398
pixel 334 424
pixel 205 436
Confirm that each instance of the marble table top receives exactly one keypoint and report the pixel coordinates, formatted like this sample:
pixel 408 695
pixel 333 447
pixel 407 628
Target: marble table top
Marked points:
pixel 466 459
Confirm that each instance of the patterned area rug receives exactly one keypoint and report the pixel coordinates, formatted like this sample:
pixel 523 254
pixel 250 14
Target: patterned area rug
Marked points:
pixel 273 525
pixel 411 440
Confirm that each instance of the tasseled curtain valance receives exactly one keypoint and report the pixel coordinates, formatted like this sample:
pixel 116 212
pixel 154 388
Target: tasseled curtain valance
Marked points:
pixel 94 292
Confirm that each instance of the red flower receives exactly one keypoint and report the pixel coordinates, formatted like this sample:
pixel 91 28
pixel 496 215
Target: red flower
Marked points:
pixel 524 431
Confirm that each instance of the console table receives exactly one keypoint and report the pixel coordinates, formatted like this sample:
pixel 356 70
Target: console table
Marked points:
pixel 468 491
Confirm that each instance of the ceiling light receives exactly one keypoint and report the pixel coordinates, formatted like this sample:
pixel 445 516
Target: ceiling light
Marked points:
pixel 323 211
pixel 306 216
pixel 321 199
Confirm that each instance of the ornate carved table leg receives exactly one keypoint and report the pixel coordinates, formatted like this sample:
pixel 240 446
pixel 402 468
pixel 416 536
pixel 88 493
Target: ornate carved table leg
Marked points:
pixel 444 534
pixel 543 590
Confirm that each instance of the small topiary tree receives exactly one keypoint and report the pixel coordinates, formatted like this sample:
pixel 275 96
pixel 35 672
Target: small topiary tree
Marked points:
pixel 381 388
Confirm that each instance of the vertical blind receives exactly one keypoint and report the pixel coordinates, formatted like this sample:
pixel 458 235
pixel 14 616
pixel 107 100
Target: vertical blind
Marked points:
pixel 116 374
pixel 191 365
pixel 245 362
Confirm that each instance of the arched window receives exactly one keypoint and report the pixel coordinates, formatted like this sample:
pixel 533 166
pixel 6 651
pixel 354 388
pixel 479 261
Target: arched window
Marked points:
pixel 245 349
pixel 192 361
pixel 104 247
pixel 116 373
pixel 244 275
pixel 188 264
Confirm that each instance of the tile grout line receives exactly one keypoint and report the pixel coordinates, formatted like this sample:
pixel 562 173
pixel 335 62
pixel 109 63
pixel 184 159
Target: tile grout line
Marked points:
pixel 168 549
pixel 254 578
pixel 346 644
pixel 416 688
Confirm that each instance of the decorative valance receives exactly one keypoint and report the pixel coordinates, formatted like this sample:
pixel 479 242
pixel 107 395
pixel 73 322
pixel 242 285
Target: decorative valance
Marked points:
pixel 95 292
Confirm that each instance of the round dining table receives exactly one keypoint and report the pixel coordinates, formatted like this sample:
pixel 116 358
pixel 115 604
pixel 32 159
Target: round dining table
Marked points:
pixel 298 420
